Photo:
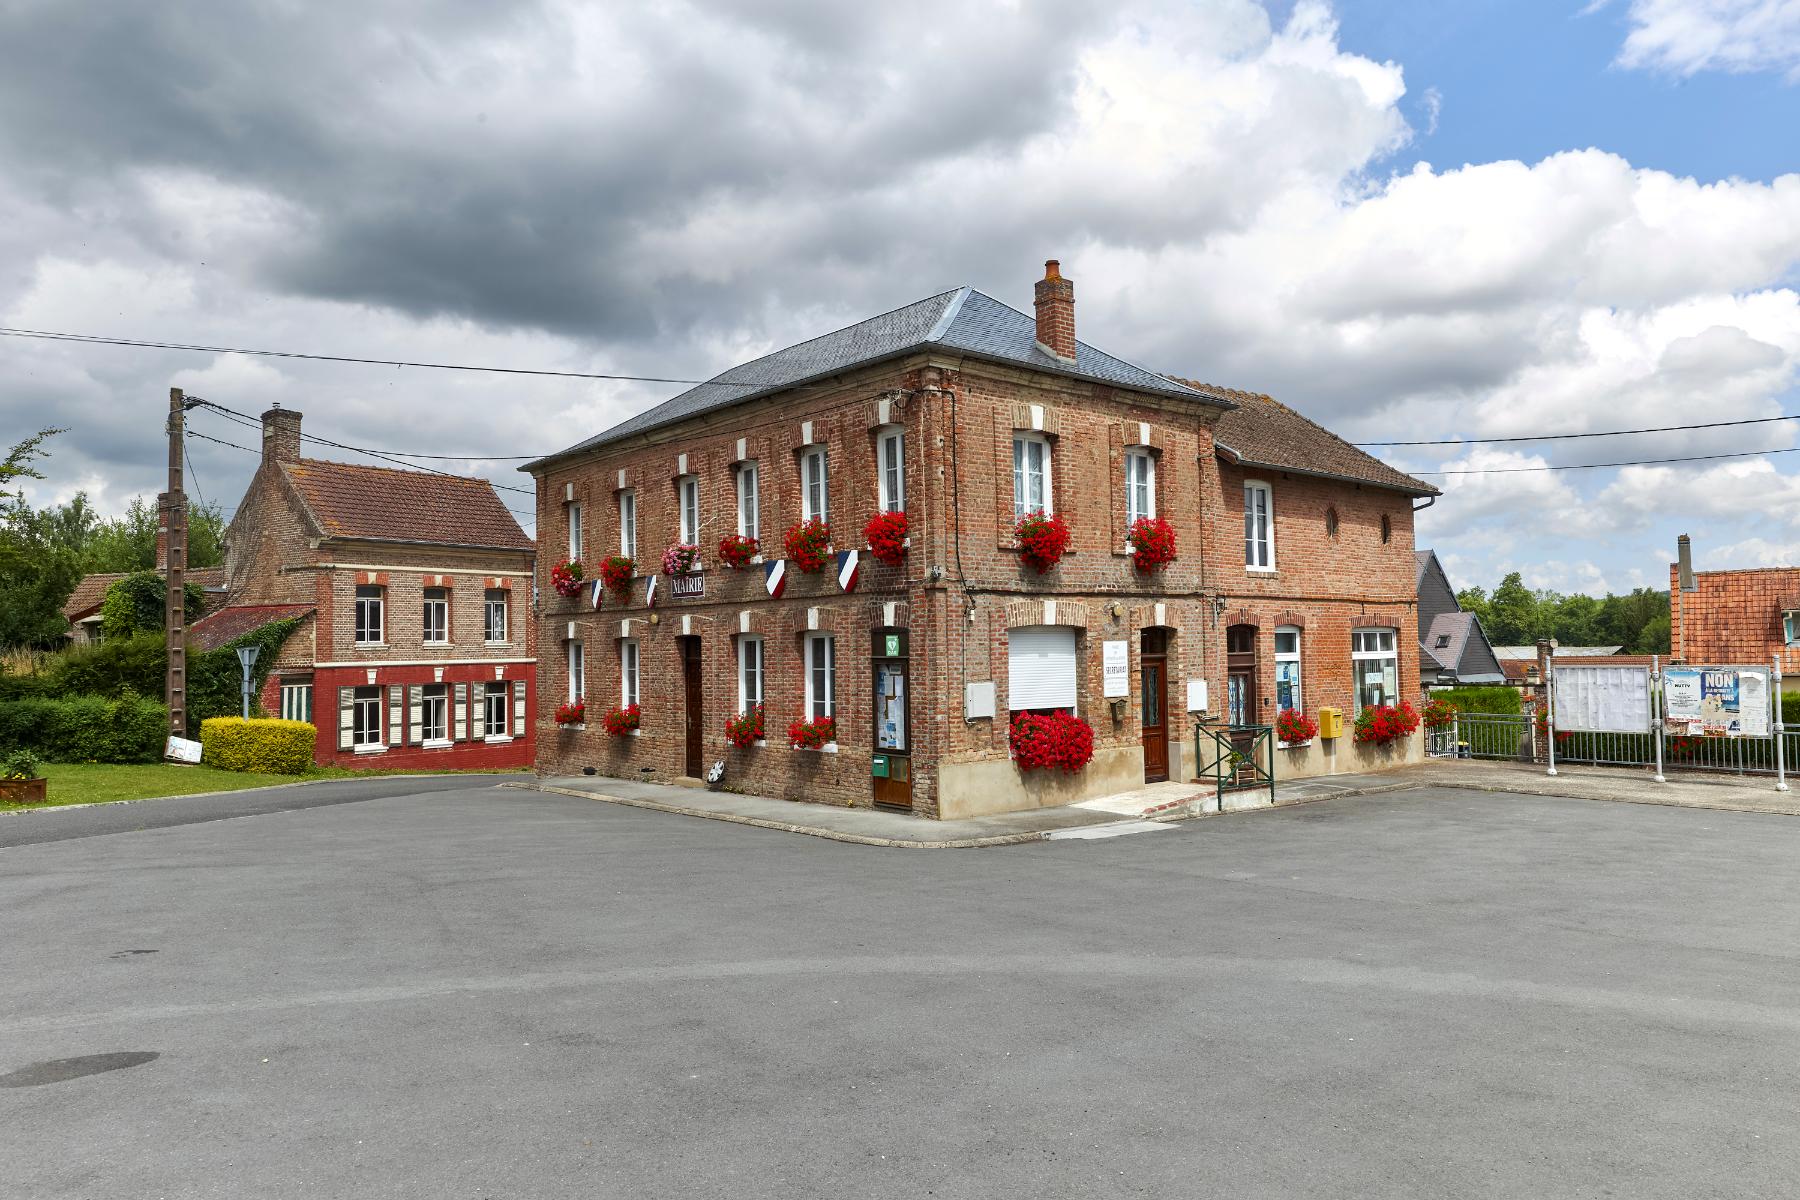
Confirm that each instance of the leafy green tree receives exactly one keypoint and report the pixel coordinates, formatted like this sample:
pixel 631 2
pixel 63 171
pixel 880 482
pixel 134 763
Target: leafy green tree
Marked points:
pixel 1515 618
pixel 1577 621
pixel 36 574
pixel 18 461
pixel 128 542
pixel 1475 600
pixel 135 604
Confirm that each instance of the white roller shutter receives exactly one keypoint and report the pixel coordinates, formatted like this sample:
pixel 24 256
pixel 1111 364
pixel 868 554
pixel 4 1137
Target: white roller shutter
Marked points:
pixel 1040 667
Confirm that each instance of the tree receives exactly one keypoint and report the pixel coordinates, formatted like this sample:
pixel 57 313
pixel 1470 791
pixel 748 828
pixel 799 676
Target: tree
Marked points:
pixel 1516 620
pixel 17 464
pixel 1475 600
pixel 135 604
pixel 128 542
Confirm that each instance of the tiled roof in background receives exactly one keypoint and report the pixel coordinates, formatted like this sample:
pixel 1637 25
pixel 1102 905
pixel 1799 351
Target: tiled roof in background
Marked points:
pixel 212 631
pixel 88 594
pixel 386 504
pixel 1263 432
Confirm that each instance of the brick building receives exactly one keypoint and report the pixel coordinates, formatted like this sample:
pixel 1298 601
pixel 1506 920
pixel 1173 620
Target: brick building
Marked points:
pixel 1737 618
pixel 964 413
pixel 416 647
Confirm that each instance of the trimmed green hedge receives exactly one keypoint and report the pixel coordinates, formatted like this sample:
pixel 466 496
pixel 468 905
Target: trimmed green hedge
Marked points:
pixel 129 729
pixel 266 747
pixel 1481 699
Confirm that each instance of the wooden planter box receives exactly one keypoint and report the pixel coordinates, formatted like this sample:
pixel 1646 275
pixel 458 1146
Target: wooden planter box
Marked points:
pixel 24 791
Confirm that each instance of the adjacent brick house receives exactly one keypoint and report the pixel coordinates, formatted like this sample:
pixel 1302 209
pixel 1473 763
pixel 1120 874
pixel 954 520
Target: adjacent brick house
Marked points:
pixel 1737 618
pixel 416 647
pixel 963 413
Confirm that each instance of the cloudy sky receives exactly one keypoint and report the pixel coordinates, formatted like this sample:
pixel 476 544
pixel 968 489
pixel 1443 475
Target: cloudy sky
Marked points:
pixel 1409 219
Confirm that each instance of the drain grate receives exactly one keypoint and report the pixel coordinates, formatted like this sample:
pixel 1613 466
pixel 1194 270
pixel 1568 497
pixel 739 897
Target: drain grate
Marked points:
pixel 61 1070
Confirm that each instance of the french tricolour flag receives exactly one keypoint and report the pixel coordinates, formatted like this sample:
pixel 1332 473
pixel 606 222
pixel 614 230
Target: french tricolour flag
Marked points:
pixel 598 587
pixel 849 564
pixel 650 592
pixel 775 577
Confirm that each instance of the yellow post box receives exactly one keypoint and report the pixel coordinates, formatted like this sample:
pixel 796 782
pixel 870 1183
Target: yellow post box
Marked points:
pixel 1331 723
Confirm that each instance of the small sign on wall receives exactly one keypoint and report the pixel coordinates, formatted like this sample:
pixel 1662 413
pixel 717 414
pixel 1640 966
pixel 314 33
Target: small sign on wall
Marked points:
pixel 1116 664
pixel 692 585
pixel 1197 695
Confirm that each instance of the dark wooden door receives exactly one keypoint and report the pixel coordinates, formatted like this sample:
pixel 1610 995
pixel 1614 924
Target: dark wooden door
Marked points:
pixel 696 715
pixel 1240 681
pixel 892 783
pixel 1154 679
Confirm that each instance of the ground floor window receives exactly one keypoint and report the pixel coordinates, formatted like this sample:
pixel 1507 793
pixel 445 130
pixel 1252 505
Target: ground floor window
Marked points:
pixel 1040 669
pixel 1375 667
pixel 577 672
pixel 296 702
pixel 494 711
pixel 434 707
pixel 750 673
pixel 628 672
pixel 365 720
pixel 1287 668
pixel 821 675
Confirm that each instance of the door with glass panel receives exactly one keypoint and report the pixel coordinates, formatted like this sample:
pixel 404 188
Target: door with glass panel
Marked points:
pixel 1153 678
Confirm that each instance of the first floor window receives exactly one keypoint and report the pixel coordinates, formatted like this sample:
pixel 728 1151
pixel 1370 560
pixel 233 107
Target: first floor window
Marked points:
pixel 821 675
pixel 1375 667
pixel 577 671
pixel 628 672
pixel 815 486
pixel 296 702
pixel 366 716
pixel 493 615
pixel 750 673
pixel 494 709
pixel 1040 669
pixel 1259 542
pixel 749 518
pixel 1140 485
pixel 687 491
pixel 628 524
pixel 434 708
pixel 891 463
pixel 1287 668
pixel 574 531
pixel 1031 474
pixel 437 615
pixel 1790 627
pixel 368 613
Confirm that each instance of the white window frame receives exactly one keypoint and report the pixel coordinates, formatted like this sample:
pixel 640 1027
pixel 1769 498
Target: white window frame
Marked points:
pixel 1140 485
pixel 364 735
pixel 1259 552
pixel 752 673
pixel 367 607
pixel 821 661
pixel 815 472
pixel 492 600
pixel 1025 447
pixel 1790 626
pixel 574 516
pixel 297 698
pixel 427 603
pixel 629 658
pixel 577 671
pixel 749 502
pixel 628 523
pixel 440 704
pixel 493 690
pixel 1378 646
pixel 1283 657
pixel 687 499
pixel 890 467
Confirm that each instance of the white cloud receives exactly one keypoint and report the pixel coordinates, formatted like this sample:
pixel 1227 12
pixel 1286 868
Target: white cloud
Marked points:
pixel 1684 37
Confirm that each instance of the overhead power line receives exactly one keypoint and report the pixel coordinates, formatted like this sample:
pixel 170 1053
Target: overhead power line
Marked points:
pixel 1638 462
pixel 1557 437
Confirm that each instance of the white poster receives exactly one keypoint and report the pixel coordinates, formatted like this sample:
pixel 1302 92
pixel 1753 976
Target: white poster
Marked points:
pixel 1116 664
pixel 1753 704
pixel 180 749
pixel 1716 701
pixel 1603 699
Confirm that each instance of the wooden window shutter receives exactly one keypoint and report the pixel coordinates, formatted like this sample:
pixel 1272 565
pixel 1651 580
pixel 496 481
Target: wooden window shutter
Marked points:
pixel 415 714
pixel 346 718
pixel 518 690
pixel 395 711
pixel 459 731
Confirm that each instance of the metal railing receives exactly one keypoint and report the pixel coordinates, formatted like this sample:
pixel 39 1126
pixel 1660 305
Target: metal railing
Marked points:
pixel 1235 757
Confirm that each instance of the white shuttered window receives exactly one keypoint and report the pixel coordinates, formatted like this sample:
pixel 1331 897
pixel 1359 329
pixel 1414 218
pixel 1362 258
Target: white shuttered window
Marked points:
pixel 1040 668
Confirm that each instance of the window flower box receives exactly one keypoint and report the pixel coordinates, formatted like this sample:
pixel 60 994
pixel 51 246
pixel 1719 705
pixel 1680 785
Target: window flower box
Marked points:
pixel 622 722
pixel 617 572
pixel 1043 539
pixel 1152 542
pixel 566 577
pixel 573 713
pixel 746 729
pixel 1294 728
pixel 886 535
pixel 681 558
pixel 809 545
pixel 1058 740
pixel 815 734
pixel 736 550
pixel 1385 724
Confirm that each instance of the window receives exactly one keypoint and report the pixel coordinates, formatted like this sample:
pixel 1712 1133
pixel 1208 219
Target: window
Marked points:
pixel 1374 667
pixel 574 531
pixel 365 719
pixel 437 616
pixel 687 493
pixel 493 615
pixel 890 462
pixel 1287 668
pixel 628 524
pixel 628 672
pixel 1140 485
pixel 434 710
pixel 750 673
pixel 1387 529
pixel 368 614
pixel 821 675
pixel 1790 627
pixel 1331 522
pixel 1443 642
pixel 493 723
pixel 1040 668
pixel 577 671
pixel 749 505
pixel 815 479
pixel 1031 474
pixel 296 702
pixel 1259 540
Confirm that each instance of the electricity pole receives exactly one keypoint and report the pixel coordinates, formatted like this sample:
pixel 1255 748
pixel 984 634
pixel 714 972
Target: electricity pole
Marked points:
pixel 175 605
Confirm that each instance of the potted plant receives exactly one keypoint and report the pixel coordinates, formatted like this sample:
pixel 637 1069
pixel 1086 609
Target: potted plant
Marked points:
pixel 809 545
pixel 1439 714
pixel 736 550
pixel 572 713
pixel 22 779
pixel 1152 541
pixel 681 558
pixel 812 735
pixel 622 722
pixel 1385 724
pixel 1044 741
pixel 1294 728
pixel 566 577
pixel 617 571
pixel 1043 539
pixel 886 535
pixel 745 729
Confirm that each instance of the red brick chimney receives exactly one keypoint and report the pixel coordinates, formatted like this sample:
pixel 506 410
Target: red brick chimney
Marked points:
pixel 281 435
pixel 1056 313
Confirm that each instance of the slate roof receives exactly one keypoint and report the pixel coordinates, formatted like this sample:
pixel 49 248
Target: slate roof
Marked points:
pixel 1261 431
pixel 963 320
pixel 85 600
pixel 386 504
pixel 1421 560
pixel 1503 653
pixel 214 630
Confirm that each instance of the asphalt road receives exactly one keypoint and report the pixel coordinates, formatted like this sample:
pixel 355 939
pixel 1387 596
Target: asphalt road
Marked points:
pixel 493 993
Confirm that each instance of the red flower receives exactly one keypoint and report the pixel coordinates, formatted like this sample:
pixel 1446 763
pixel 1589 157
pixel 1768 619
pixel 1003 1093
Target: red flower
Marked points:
pixel 745 729
pixel 736 550
pixel 1043 537
pixel 1440 714
pixel 616 572
pixel 1292 725
pixel 572 713
pixel 1384 723
pixel 621 721
pixel 565 577
pixel 811 735
pixel 1060 740
pixel 886 535
pixel 1152 541
pixel 809 545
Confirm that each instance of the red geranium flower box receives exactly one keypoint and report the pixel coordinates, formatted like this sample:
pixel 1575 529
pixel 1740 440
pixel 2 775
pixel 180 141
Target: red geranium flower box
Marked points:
pixel 1043 539
pixel 736 550
pixel 745 729
pixel 572 713
pixel 812 735
pixel 622 721
pixel 616 572
pixel 809 545
pixel 1152 541
pixel 1057 740
pixel 1293 726
pixel 886 535
pixel 566 577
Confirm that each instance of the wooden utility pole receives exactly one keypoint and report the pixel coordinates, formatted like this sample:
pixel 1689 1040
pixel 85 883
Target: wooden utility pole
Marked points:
pixel 175 575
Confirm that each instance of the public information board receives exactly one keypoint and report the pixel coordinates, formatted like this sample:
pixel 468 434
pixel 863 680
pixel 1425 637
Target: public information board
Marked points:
pixel 1716 701
pixel 1603 699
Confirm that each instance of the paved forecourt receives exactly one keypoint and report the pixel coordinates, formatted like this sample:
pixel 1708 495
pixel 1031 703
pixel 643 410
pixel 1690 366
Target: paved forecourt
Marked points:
pixel 498 992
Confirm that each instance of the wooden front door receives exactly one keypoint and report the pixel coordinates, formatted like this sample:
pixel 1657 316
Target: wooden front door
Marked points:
pixel 1154 679
pixel 1240 681
pixel 696 715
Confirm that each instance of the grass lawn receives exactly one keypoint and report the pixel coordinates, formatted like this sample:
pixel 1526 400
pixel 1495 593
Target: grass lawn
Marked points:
pixel 100 783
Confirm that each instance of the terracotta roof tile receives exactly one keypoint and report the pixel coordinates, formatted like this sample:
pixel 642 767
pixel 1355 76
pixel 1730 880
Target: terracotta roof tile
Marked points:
pixel 1263 432
pixel 386 504
pixel 214 630
pixel 85 599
